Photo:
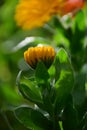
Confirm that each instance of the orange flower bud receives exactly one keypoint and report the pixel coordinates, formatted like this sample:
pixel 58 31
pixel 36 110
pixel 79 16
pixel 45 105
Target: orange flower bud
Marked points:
pixel 44 53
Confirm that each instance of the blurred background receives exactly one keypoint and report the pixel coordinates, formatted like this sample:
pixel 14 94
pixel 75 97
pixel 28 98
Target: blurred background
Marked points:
pixel 58 32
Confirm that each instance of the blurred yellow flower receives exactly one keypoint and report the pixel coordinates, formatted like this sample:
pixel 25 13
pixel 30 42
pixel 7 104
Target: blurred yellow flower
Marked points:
pixel 34 13
pixel 45 54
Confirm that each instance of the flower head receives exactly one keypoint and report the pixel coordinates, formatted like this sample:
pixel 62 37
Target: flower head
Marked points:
pixel 45 54
pixel 34 13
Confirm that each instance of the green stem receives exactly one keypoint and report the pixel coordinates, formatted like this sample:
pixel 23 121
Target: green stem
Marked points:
pixel 56 125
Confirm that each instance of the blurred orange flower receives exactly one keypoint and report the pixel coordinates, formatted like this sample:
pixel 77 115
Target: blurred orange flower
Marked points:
pixel 34 13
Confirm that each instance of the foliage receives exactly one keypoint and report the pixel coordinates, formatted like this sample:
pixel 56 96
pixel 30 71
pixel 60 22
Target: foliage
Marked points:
pixel 42 99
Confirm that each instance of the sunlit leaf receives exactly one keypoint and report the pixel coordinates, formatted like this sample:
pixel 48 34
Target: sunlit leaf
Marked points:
pixel 64 78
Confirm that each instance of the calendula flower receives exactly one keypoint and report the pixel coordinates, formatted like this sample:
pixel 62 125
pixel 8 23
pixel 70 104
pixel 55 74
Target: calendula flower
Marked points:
pixel 34 13
pixel 45 54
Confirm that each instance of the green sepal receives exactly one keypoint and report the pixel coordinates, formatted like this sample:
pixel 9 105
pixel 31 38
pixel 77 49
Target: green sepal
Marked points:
pixel 41 74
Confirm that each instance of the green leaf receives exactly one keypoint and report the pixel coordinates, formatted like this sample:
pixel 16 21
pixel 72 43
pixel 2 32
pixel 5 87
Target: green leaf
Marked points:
pixel 32 118
pixel 60 39
pixel 64 83
pixel 41 73
pixel 13 123
pixel 79 98
pixel 28 74
pixel 62 62
pixel 76 44
pixel 79 93
pixel 29 90
pixel 47 102
pixel 64 79
pixel 62 56
pixel 33 96
pixel 63 88
pixel 79 20
pixel 70 116
pixel 51 71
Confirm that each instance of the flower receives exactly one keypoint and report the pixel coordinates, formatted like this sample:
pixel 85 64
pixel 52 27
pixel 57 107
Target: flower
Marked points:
pixel 45 54
pixel 34 13
pixel 72 6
